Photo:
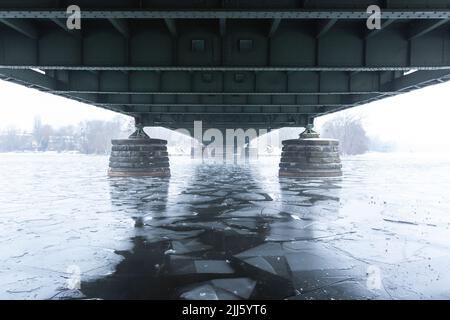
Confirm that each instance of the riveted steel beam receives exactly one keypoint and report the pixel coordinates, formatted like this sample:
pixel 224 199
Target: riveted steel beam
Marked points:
pixel 219 105
pixel 229 14
pixel 104 50
pixel 121 26
pixel 237 93
pixel 229 69
pixel 325 26
pixel 62 24
pixel 24 27
pixel 275 23
pixel 419 30
pixel 407 83
pixel 171 26
pixel 384 25
pixel 239 70
pixel 222 27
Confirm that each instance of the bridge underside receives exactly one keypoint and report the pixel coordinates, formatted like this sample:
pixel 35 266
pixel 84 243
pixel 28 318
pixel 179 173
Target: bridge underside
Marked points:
pixel 241 63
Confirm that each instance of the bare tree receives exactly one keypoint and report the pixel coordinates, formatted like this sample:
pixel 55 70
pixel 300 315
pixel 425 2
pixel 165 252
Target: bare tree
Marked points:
pixel 96 135
pixel 91 137
pixel 348 129
pixel 12 139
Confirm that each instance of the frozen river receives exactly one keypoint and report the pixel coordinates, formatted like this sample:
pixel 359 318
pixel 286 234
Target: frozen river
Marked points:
pixel 224 232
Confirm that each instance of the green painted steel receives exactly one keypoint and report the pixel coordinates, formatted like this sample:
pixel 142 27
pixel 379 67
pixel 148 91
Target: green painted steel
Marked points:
pixel 227 62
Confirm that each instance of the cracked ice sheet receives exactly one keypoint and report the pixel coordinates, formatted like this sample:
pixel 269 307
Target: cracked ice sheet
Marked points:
pixel 320 209
pixel 241 287
pixel 203 292
pixel 411 279
pixel 311 265
pixel 220 289
pixel 254 212
pixel 31 277
pixel 296 210
pixel 297 229
pixel 302 255
pixel 196 225
pixel 160 221
pixel 189 246
pixel 366 217
pixel 311 261
pixel 57 226
pixel 243 223
pixel 153 235
pixel 394 245
pixel 336 290
pixel 251 197
pixel 184 265
pixel 194 199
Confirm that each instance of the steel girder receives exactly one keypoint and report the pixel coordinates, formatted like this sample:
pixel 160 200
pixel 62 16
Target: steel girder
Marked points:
pixel 268 64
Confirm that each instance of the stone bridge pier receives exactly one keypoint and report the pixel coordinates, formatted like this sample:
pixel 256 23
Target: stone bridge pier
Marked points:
pixel 310 157
pixel 139 156
pixel 305 157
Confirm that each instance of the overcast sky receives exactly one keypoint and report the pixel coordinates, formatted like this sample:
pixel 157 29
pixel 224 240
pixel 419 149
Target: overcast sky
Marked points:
pixel 416 120
pixel 20 105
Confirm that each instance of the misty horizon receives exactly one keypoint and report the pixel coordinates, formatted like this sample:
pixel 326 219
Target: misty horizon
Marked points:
pixel 383 121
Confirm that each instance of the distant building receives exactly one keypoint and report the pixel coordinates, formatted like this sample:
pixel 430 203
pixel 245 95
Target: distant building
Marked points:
pixel 14 141
pixel 62 143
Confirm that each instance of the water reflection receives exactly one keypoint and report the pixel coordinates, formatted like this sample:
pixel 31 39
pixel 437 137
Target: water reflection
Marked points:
pixel 231 232
pixel 225 232
pixel 139 197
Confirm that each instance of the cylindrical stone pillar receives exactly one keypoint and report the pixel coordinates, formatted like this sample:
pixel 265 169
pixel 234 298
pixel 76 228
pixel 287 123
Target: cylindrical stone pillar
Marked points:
pixel 310 158
pixel 140 156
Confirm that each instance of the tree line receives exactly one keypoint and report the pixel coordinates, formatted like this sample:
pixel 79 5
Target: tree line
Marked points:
pixel 353 138
pixel 94 137
pixel 88 137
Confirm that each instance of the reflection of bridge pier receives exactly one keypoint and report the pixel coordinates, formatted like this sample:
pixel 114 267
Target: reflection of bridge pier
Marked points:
pixel 199 237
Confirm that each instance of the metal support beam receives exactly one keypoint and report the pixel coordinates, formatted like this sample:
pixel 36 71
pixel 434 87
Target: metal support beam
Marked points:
pixel 42 82
pixel 25 27
pixel 357 14
pixel 230 69
pixel 384 25
pixel 422 29
pixel 220 105
pixel 325 26
pixel 389 50
pixel 34 78
pixel 171 25
pixel 121 26
pixel 62 24
pixel 274 27
pixel 222 27
pixel 255 74
pixel 407 83
pixel 231 93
